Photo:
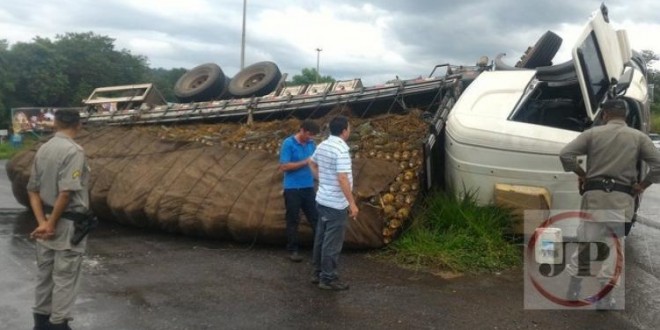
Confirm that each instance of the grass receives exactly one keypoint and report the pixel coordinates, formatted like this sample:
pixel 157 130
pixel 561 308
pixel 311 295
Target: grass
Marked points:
pixel 7 151
pixel 456 234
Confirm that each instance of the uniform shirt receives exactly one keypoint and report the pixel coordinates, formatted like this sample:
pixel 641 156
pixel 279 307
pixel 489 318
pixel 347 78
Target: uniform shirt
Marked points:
pixel 60 165
pixel 293 151
pixel 332 157
pixel 612 151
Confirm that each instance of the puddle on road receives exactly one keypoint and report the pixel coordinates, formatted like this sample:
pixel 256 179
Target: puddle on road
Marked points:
pixel 94 264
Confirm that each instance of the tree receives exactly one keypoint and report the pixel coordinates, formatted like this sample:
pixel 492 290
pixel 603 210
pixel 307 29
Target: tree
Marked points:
pixel 91 61
pixel 649 57
pixel 63 72
pixel 309 76
pixel 38 74
pixel 653 79
pixel 165 80
pixel 6 85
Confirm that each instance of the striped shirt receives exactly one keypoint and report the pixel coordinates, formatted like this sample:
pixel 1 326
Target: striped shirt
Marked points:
pixel 332 157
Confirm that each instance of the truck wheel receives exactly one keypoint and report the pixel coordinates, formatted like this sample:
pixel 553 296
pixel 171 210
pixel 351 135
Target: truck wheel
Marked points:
pixel 202 83
pixel 224 93
pixel 256 80
pixel 542 53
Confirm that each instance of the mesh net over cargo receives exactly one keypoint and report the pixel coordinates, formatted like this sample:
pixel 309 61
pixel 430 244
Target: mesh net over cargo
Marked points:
pixel 221 180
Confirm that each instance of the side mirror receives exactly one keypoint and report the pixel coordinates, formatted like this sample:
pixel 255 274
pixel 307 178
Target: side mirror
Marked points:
pixel 624 82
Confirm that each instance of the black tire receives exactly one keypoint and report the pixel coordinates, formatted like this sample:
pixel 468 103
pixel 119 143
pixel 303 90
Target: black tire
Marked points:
pixel 202 83
pixel 257 79
pixel 224 94
pixel 542 53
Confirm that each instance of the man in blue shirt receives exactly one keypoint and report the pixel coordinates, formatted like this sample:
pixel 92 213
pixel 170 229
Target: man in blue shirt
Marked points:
pixel 298 182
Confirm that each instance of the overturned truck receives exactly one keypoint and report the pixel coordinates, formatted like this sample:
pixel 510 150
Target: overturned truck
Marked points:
pixel 208 166
pixel 218 177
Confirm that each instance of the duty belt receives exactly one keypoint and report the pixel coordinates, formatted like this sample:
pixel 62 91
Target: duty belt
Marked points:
pixel 74 216
pixel 607 185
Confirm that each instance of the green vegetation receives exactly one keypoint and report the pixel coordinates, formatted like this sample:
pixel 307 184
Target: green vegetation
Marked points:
pixel 62 72
pixel 655 121
pixel 7 151
pixel 653 78
pixel 456 234
pixel 309 76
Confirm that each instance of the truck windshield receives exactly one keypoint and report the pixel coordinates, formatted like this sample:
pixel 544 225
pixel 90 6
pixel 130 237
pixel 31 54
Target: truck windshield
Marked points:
pixel 595 77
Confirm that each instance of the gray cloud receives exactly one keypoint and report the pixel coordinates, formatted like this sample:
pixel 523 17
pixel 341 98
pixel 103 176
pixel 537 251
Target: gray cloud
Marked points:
pixel 422 32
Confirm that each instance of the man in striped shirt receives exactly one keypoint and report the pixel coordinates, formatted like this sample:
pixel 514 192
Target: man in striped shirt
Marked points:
pixel 331 163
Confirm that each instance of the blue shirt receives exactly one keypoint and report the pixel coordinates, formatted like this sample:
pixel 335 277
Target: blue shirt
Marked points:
pixel 333 157
pixel 292 151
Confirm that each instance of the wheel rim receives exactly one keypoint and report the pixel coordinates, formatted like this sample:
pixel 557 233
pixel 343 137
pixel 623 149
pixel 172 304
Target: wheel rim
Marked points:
pixel 253 80
pixel 198 81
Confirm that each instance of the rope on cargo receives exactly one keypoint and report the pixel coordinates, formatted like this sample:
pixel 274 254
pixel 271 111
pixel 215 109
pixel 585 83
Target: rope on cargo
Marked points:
pixel 174 178
pixel 224 174
pixel 263 215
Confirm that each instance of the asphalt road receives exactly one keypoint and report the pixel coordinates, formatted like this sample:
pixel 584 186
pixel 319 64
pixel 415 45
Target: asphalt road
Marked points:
pixel 140 279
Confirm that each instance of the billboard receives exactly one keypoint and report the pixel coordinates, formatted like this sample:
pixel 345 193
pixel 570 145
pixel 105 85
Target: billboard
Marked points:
pixel 38 120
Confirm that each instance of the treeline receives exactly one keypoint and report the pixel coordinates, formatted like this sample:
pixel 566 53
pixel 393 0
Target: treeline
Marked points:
pixel 654 78
pixel 64 71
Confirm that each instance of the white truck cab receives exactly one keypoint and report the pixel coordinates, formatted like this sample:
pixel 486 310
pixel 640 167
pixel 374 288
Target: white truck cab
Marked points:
pixel 508 126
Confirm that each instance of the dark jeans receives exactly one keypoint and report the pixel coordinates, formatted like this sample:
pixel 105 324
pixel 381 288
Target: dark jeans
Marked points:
pixel 328 242
pixel 294 201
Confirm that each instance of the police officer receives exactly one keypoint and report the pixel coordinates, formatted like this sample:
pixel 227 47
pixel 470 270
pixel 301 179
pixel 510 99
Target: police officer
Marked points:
pixel 610 187
pixel 58 192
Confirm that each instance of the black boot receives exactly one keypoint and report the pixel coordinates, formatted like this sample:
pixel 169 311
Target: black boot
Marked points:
pixel 574 288
pixel 41 322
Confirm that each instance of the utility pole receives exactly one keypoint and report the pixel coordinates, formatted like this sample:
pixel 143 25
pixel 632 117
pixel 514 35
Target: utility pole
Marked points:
pixel 243 36
pixel 318 57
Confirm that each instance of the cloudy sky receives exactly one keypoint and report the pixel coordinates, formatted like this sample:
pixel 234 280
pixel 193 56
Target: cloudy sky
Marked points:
pixel 374 40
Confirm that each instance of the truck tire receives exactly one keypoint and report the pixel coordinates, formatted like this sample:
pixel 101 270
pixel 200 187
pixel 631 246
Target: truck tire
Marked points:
pixel 224 93
pixel 542 53
pixel 201 83
pixel 257 79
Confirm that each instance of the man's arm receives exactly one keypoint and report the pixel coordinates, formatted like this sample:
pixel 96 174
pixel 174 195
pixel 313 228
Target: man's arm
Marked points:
pixel 346 189
pixel 291 166
pixel 285 159
pixel 568 155
pixel 37 207
pixel 61 203
pixel 651 156
pixel 46 227
pixel 315 169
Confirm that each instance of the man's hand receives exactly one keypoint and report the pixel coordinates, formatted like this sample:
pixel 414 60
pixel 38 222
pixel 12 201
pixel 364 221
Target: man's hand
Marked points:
pixel 637 189
pixel 44 231
pixel 353 211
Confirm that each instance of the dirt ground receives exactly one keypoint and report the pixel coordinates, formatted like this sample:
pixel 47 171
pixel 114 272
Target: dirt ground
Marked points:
pixel 139 279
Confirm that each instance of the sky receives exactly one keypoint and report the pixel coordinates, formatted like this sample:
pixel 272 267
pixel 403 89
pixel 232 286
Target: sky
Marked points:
pixel 373 40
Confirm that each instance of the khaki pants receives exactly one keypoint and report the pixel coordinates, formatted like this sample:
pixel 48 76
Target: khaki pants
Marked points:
pixel 607 233
pixel 57 282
